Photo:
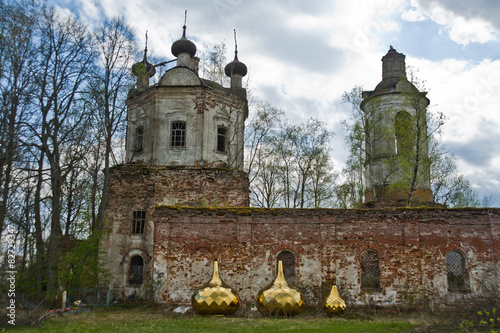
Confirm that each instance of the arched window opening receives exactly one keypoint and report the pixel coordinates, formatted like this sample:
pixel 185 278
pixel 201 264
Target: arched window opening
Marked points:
pixel 370 269
pixel 138 221
pixel 456 269
pixel 403 133
pixel 221 139
pixel 178 138
pixel 288 260
pixel 139 138
pixel 136 269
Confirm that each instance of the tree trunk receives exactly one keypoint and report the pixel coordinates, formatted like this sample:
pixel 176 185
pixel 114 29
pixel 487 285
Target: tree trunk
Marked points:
pixel 40 251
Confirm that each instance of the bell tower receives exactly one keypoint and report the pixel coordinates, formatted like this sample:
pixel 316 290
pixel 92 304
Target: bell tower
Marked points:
pixel 184 147
pixel 185 120
pixel 397 162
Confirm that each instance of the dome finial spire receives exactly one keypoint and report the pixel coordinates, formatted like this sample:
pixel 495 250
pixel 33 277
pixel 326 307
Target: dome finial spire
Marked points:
pixel 235 46
pixel 146 48
pixel 184 26
pixel 235 67
pixel 184 45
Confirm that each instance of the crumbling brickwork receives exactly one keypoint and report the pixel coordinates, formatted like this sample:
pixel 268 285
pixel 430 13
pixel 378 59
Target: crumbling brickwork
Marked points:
pixel 136 186
pixel 327 244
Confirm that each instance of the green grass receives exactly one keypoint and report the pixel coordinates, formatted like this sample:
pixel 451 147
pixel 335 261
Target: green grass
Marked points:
pixel 147 320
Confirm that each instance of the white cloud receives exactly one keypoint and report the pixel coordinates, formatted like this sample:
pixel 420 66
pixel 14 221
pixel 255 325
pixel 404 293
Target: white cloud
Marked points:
pixel 465 31
pixel 89 9
pixel 462 30
pixel 413 15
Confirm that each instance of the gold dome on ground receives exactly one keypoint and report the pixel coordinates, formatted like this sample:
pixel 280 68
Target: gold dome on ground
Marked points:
pixel 215 297
pixel 334 304
pixel 280 298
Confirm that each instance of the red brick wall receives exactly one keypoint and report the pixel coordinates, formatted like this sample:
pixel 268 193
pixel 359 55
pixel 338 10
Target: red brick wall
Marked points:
pixel 136 186
pixel 182 186
pixel 412 244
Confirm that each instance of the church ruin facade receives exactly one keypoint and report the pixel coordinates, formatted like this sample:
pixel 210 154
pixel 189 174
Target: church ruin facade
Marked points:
pixel 182 200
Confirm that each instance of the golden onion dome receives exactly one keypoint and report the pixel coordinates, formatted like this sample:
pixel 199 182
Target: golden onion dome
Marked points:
pixel 215 297
pixel 280 298
pixel 334 304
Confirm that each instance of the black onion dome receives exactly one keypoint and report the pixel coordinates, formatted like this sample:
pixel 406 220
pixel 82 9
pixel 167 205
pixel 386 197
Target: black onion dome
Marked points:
pixel 235 67
pixel 183 45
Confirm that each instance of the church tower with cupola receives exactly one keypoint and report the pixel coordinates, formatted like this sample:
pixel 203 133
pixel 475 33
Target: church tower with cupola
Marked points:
pixel 397 162
pixel 184 147
pixel 185 120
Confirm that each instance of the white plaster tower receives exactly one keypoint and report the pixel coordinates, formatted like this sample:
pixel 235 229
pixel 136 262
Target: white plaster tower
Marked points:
pixel 397 162
pixel 185 120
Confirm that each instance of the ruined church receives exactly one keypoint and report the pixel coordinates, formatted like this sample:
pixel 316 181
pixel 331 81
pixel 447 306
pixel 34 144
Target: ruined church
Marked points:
pixel 182 200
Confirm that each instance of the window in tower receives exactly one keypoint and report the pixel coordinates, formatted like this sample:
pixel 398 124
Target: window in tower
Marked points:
pixel 139 138
pixel 221 139
pixel 403 133
pixel 178 138
pixel 138 221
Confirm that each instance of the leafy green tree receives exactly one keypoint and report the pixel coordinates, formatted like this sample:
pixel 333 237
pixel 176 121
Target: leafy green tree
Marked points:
pixel 451 188
pixel 350 193
pixel 413 132
pixel 213 61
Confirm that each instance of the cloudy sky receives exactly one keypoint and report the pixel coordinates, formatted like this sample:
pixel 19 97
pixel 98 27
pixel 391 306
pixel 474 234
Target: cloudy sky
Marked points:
pixel 302 55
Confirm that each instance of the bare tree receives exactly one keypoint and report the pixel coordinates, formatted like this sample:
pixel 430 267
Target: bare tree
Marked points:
pixel 291 166
pixel 17 54
pixel 65 57
pixel 261 126
pixel 111 82
pixel 309 145
pixel 266 185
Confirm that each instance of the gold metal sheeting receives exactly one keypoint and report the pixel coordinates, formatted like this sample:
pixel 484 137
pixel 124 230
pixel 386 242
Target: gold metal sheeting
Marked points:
pixel 215 297
pixel 280 298
pixel 334 304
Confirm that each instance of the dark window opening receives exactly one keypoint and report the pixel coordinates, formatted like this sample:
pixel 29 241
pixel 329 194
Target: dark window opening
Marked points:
pixel 136 270
pixel 138 222
pixel 178 138
pixel 288 260
pixel 370 269
pixel 456 269
pixel 139 138
pixel 221 138
pixel 403 133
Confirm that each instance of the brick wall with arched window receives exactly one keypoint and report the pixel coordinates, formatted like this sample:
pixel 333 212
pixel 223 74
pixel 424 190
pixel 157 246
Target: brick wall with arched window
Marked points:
pixel 370 269
pixel 136 270
pixel 456 271
pixel 288 260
